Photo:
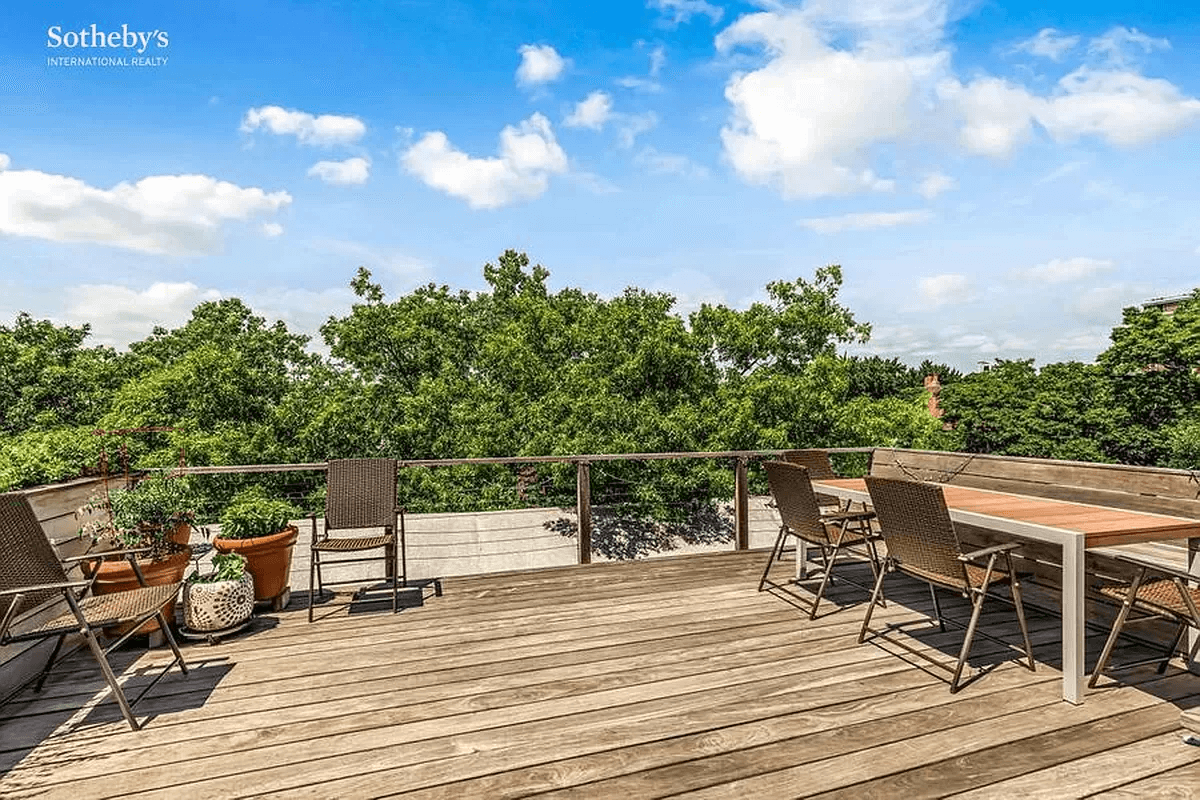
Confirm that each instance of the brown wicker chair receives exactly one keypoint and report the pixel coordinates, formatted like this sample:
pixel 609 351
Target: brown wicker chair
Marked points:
pixel 31 574
pixel 819 468
pixel 360 493
pixel 922 543
pixel 830 531
pixel 1166 595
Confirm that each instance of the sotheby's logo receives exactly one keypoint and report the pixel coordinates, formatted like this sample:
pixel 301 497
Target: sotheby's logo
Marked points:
pixel 125 47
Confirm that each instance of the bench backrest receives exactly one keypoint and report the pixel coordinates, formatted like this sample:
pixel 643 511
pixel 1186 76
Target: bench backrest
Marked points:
pixel 1165 491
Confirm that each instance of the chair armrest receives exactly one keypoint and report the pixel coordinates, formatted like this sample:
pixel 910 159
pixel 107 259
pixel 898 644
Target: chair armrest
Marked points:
pixel 1150 566
pixel 987 551
pixel 850 516
pixel 104 554
pixel 45 586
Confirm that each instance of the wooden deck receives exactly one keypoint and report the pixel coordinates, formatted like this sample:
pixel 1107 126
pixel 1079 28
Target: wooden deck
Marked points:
pixel 671 677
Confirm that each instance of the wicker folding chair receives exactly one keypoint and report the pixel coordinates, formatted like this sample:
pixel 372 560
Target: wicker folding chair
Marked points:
pixel 819 468
pixel 1164 595
pixel 360 493
pixel 31 574
pixel 922 543
pixel 801 516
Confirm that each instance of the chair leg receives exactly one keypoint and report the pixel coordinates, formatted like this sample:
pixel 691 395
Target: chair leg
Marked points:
pixel 392 553
pixel 111 678
pixel 403 553
pixel 1162 667
pixel 1118 624
pixel 166 629
pixel 937 608
pixel 830 560
pixel 873 555
pixel 776 550
pixel 1014 586
pixel 49 663
pixel 862 632
pixel 312 573
pixel 967 640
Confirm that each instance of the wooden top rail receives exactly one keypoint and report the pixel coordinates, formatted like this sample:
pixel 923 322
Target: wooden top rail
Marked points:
pixel 460 462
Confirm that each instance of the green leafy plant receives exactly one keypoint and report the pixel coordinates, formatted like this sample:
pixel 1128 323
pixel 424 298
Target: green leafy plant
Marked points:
pixel 144 515
pixel 251 514
pixel 226 567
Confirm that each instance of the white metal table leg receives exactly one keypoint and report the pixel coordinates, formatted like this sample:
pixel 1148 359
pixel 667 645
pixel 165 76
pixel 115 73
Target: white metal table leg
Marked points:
pixel 1073 620
pixel 801 559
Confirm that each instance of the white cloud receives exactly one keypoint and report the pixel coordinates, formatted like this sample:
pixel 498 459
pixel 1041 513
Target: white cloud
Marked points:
pixel 640 84
pixel 938 290
pixel 591 112
pixel 540 63
pixel 596 184
pixel 1062 270
pixel 1102 305
pixel 326 129
pixel 176 214
pixel 934 184
pixel 408 270
pixel 865 221
pixel 658 59
pixel 679 11
pixel 997 115
pixel 809 119
pixel 1060 172
pixel 1048 43
pixel 4 161
pixel 1121 107
pixel 1111 193
pixel 1116 44
pixel 344 173
pixel 272 229
pixel 658 163
pixel 120 315
pixel 631 126
pixel 528 156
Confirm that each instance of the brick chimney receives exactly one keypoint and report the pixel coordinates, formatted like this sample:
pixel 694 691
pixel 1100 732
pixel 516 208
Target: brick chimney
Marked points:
pixel 934 387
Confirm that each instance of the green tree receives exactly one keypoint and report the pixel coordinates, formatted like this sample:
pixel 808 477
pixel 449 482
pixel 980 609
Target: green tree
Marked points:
pixel 1152 366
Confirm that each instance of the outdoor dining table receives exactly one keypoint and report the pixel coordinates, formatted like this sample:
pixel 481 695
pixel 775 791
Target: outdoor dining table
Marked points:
pixel 1073 526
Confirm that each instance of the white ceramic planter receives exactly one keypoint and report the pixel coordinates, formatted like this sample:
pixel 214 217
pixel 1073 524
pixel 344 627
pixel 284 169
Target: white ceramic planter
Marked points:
pixel 217 606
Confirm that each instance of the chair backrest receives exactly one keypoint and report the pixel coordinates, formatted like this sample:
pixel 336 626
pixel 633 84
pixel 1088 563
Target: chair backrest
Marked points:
pixel 916 527
pixel 795 500
pixel 360 493
pixel 26 556
pixel 818 465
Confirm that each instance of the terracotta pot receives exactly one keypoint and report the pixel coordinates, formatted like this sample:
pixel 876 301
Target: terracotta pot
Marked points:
pixel 268 559
pixel 118 576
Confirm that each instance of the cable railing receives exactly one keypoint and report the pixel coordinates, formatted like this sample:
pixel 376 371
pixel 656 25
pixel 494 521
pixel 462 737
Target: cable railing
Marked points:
pixel 625 504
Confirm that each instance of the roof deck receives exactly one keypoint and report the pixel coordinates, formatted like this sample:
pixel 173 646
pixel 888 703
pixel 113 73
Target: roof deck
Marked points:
pixel 640 679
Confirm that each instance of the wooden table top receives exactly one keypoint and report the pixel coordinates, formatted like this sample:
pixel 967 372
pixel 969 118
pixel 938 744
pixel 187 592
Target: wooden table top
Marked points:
pixel 1102 526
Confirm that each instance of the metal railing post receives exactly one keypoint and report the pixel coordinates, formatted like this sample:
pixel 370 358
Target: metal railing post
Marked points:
pixel 741 503
pixel 583 509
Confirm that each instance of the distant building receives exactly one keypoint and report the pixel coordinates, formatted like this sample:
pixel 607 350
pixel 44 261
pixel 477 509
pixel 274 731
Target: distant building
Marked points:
pixel 1166 304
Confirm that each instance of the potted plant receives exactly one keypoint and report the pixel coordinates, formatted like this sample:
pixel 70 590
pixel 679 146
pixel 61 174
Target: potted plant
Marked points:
pixel 260 528
pixel 219 600
pixel 155 514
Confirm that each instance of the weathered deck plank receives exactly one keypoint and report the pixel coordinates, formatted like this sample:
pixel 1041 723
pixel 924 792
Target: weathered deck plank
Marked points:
pixel 637 680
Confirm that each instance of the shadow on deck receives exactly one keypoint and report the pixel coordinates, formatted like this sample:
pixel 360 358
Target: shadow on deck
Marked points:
pixel 643 679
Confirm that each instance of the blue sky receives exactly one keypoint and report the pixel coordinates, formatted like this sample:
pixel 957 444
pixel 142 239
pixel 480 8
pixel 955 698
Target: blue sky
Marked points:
pixel 997 180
